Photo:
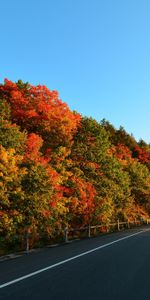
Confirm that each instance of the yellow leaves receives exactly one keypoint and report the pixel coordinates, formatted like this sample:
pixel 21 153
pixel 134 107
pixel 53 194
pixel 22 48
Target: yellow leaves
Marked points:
pixel 9 161
pixel 3 155
pixel 6 222
pixel 61 208
pixel 8 156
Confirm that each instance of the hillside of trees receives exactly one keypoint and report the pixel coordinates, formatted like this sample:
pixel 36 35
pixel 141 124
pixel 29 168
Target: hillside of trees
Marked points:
pixel 58 168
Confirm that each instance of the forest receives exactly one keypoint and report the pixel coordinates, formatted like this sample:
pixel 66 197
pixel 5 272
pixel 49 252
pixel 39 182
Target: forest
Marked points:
pixel 58 168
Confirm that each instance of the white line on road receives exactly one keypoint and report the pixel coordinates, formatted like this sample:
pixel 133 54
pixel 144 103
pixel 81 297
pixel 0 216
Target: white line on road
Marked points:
pixel 69 259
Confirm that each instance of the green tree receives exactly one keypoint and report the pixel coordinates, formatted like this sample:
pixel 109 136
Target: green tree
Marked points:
pixel 140 183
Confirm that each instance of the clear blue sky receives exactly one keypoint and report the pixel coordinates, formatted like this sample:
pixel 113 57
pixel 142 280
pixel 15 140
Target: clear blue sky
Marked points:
pixel 96 53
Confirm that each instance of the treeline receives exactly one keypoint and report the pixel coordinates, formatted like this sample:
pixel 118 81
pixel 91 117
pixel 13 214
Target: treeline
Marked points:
pixel 58 168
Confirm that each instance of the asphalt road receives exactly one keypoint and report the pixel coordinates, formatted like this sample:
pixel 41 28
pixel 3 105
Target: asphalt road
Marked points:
pixel 111 267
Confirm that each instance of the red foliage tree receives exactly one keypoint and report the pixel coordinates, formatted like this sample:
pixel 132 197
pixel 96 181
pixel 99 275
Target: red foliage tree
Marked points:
pixel 39 110
pixel 141 154
pixel 122 153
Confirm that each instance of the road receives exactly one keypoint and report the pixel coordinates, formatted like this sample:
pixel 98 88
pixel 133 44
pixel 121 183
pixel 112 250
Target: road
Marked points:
pixel 115 266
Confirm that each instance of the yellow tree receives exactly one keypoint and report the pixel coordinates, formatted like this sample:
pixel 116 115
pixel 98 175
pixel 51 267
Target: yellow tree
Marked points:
pixel 10 192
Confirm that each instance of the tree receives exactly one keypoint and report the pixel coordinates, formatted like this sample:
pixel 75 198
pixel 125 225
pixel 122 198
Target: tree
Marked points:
pixel 11 193
pixel 140 183
pixel 40 111
pixel 11 136
pixel 141 154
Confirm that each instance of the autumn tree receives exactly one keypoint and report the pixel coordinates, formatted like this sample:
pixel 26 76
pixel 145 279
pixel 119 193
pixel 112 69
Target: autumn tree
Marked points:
pixel 11 194
pixel 91 151
pixel 39 110
pixel 59 169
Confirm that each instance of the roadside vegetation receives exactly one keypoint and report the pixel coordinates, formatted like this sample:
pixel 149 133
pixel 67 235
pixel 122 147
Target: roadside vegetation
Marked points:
pixel 60 169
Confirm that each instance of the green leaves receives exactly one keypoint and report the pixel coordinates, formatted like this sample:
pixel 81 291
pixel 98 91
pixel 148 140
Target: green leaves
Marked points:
pixel 11 136
pixel 58 168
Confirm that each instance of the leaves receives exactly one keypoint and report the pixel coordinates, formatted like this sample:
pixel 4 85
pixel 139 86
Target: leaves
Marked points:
pixel 40 111
pixel 58 168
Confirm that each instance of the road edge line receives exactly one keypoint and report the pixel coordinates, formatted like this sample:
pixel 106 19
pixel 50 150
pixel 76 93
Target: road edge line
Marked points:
pixel 69 259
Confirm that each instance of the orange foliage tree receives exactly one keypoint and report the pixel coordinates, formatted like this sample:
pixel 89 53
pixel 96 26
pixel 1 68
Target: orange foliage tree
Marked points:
pixel 39 110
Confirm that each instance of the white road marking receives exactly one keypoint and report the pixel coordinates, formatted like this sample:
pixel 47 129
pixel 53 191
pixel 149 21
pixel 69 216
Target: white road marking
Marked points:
pixel 69 259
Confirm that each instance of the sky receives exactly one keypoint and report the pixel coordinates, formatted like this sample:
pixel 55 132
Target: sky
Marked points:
pixel 95 53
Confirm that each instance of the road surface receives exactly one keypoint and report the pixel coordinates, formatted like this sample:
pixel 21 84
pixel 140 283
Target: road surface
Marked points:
pixel 110 267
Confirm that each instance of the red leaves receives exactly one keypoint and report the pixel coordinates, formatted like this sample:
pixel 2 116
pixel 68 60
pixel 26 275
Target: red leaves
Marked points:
pixel 122 153
pixel 34 142
pixel 141 154
pixel 33 145
pixel 81 197
pixel 68 173
pixel 37 109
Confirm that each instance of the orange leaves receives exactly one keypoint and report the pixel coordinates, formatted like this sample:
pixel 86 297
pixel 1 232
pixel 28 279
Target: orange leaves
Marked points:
pixel 33 145
pixel 34 142
pixel 122 153
pixel 70 170
pixel 81 196
pixel 38 109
